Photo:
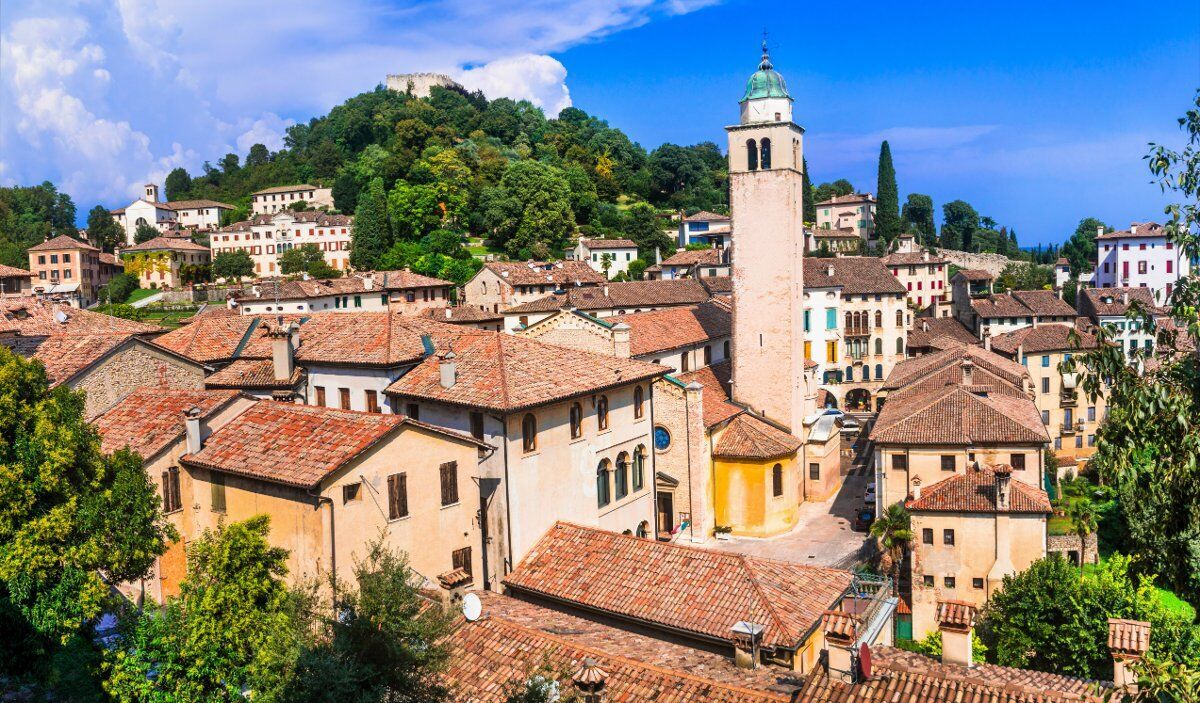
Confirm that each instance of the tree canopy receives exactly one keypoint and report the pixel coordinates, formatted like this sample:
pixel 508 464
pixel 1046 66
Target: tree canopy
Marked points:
pixel 887 206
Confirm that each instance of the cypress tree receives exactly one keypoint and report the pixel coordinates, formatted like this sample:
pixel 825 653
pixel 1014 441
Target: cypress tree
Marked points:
pixel 887 208
pixel 370 237
pixel 808 202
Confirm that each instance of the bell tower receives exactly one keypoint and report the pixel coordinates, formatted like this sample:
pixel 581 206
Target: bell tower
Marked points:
pixel 766 151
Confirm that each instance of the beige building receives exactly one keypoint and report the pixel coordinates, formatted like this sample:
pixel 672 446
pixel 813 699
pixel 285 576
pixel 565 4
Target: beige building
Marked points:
pixel 1072 419
pixel 160 262
pixel 64 268
pixel 692 263
pixel 402 292
pixel 833 241
pixel 15 282
pixel 922 273
pixel 854 212
pixel 279 198
pixel 615 254
pixel 500 285
pixel 267 237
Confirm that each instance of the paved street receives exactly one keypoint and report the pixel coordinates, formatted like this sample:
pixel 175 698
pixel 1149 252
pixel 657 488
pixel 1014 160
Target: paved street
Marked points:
pixel 822 536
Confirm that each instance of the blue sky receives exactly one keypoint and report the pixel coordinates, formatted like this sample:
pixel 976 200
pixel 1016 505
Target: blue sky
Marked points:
pixel 1037 114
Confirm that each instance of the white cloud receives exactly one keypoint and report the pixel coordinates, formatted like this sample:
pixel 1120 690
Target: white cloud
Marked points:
pixel 539 79
pixel 268 130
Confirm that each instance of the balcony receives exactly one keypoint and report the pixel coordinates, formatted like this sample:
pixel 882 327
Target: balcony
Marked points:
pixel 1068 400
pixel 1067 428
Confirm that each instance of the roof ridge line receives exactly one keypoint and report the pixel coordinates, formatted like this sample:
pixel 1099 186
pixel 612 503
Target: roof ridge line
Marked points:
pixel 758 589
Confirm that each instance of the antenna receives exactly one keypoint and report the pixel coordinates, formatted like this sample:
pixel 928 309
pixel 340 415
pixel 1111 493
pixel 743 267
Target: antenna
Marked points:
pixel 472 607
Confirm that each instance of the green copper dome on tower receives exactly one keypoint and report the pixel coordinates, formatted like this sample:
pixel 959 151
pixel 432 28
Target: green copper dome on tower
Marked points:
pixel 766 81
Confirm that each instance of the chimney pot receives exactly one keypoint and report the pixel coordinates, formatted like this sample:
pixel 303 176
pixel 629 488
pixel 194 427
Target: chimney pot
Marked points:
pixel 448 370
pixel 283 351
pixel 968 372
pixel 1128 641
pixel 191 422
pixel 591 682
pixel 1003 473
pixel 956 622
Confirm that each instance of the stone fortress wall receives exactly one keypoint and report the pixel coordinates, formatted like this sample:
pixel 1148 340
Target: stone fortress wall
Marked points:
pixel 422 83
pixel 992 263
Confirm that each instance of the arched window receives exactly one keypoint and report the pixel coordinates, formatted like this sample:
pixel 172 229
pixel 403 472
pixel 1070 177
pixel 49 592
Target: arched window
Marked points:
pixel 899 318
pixel 878 346
pixel 725 348
pixel 483 287
pixel 603 496
pixel 879 371
pixel 766 153
pixel 684 364
pixel 602 413
pixel 849 373
pixel 639 402
pixel 879 318
pixel 576 421
pixel 777 480
pixel 899 346
pixel 849 320
pixel 643 529
pixel 639 468
pixel 621 478
pixel 707 354
pixel 140 221
pixel 529 432
pixel 751 155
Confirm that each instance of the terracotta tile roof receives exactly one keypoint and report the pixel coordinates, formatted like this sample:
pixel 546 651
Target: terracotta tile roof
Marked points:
pixel 361 339
pixel 1105 302
pixel 1044 303
pixel 953 415
pixel 952 374
pixel 149 419
pixel 956 614
pixel 910 371
pixel 110 259
pixel 488 655
pixel 66 355
pixel 671 328
pixel 699 591
pixel 834 233
pixel 915 678
pixel 839 625
pixel 215 336
pixel 1044 338
pixel 975 492
pixel 974 275
pixel 1128 636
pixel 404 279
pixel 354 284
pixel 999 305
pixel 855 275
pixel 62 241
pixel 705 216
pixel 715 397
pixel 851 198
pixel 750 437
pixel 717 285
pixel 167 244
pixel 194 204
pixel 252 374
pixel 630 294
pixel 33 316
pixel 13 272
pixel 320 218
pixel 1137 229
pixel 540 273
pixel 501 372
pixel 911 258
pixel 284 189
pixel 454 578
pixel 691 257
pixel 463 314
pixel 598 244
pixel 1062 261
pixel 926 329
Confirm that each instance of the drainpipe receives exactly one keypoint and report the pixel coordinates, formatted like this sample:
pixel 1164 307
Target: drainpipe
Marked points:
pixel 325 500
pixel 654 468
pixel 504 562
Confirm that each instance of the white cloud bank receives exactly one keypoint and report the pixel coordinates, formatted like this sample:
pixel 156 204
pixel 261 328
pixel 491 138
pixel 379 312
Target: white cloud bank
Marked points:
pixel 540 79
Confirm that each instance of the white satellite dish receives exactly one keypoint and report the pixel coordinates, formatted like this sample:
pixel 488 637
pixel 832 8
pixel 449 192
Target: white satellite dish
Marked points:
pixel 472 607
pixel 60 317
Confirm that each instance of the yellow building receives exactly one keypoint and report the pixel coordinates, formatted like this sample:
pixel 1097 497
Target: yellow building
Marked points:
pixel 162 261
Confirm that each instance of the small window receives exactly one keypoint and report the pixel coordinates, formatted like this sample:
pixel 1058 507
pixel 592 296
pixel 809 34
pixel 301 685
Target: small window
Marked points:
pixel 321 396
pixel 413 410
pixel 351 492
pixel 477 425
pixel 602 413
pixel 814 471
pixel 948 537
pixel 927 581
pixel 461 559
pixel 639 468
pixel 449 478
pixel 977 583
pixel 1017 461
pixel 948 462
pixel 170 488
pixel 344 398
pixel 899 462
pixel 662 438
pixel 777 480
pixel 927 535
pixel 639 397
pixel 707 355
pixel 529 433
pixel 372 401
pixel 948 581
pixel 218 492
pixel 1046 385
pixel 577 420
pixel 725 349
pixel 684 363
pixel 397 496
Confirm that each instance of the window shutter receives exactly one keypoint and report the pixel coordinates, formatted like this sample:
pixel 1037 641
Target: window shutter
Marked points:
pixel 166 491
pixel 218 493
pixel 397 496
pixel 461 559
pixel 449 473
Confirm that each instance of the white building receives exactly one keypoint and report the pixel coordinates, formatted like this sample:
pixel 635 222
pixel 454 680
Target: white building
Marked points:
pixel 705 227
pixel 266 237
pixel 1140 257
pixel 400 292
pixel 1108 307
pixel 279 198
pixel 855 212
pixel 619 253
pixel 163 216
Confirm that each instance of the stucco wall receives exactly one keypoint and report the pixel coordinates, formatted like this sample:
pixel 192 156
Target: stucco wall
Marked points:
pixel 744 497
pixel 926 463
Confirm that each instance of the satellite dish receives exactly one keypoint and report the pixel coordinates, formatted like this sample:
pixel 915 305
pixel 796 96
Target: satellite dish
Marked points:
pixel 864 660
pixel 60 317
pixel 472 607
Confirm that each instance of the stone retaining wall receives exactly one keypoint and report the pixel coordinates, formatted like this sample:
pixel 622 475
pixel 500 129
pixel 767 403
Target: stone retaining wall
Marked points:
pixel 992 263
pixel 1064 544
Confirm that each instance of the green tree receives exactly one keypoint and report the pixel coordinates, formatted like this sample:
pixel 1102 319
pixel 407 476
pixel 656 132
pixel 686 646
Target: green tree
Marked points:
pixel 145 233
pixel 534 210
pixel 809 203
pixel 642 225
pixel 414 210
pixel 918 218
pixel 233 265
pixel 119 288
pixel 1149 446
pixel 31 215
pixel 1081 512
pixel 887 206
pixel 637 269
pixel 103 230
pixel 825 191
pixel 178 183
pixel 931 646
pixel 306 258
pixel 233 633
pixel 258 156
pixel 606 262
pixel 959 223
pixel 1080 248
pixel 384 644
pixel 229 163
pixel 72 520
pixel 893 530
pixel 371 235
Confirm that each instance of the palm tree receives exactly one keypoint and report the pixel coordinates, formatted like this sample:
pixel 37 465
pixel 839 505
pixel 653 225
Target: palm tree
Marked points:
pixel 1082 514
pixel 893 530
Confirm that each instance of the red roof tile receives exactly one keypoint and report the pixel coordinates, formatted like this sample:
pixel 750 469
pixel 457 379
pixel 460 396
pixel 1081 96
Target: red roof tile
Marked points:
pixel 62 241
pixel 540 273
pixel 954 415
pixel 1044 338
pixel 855 275
pixel 1044 303
pixel 1106 302
pixel 706 216
pixel 1128 636
pixel 167 244
pixel 629 294
pixel 926 329
pixel 692 257
pixel 974 275
pixel 749 437
pixel 922 367
pixel 34 316
pixel 975 492
pixel 13 272
pixel 600 244
pixel 956 614
pixel 672 328
pixel 715 397
pixel 149 419
pixel 252 374
pixel 700 591
pixel 1136 229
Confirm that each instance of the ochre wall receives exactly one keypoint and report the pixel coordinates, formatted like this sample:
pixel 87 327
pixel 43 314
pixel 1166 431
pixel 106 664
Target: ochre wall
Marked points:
pixel 743 500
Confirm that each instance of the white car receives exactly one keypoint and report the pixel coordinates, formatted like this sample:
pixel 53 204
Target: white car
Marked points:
pixel 869 496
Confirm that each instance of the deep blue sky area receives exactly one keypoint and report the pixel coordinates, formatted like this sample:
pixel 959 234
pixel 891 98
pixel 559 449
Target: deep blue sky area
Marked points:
pixel 1038 114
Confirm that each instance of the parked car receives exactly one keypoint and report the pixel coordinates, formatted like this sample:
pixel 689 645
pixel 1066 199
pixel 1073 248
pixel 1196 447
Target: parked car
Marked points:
pixel 850 425
pixel 869 495
pixel 834 411
pixel 863 519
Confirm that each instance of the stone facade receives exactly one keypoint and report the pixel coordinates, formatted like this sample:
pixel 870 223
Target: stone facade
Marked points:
pixel 686 460
pixel 421 84
pixel 1068 546
pixel 992 263
pixel 134 365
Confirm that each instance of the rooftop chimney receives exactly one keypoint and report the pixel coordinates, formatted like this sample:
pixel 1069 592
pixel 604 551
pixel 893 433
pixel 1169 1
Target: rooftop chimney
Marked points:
pixel 915 485
pixel 1099 230
pixel 621 340
pixel 1003 478
pixel 841 632
pixel 968 372
pixel 956 621
pixel 591 681
pixel 448 370
pixel 368 280
pixel 283 351
pixel 829 270
pixel 1128 641
pixel 987 340
pixel 191 422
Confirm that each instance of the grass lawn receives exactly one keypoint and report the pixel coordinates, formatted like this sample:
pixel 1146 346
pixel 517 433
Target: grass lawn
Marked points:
pixel 1059 525
pixel 1168 598
pixel 139 294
